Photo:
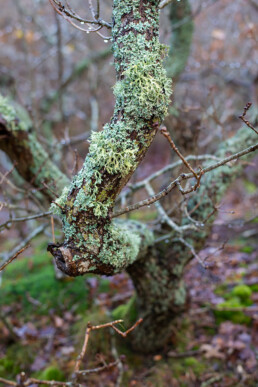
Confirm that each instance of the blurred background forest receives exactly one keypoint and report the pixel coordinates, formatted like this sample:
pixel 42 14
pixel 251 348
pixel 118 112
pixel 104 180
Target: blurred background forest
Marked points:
pixel 64 78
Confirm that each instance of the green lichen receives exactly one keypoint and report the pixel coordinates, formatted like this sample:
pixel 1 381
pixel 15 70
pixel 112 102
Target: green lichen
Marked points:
pixel 145 89
pixel 111 150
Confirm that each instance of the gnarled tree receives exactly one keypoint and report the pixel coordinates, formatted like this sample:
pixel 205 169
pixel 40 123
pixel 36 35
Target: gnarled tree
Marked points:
pixel 95 242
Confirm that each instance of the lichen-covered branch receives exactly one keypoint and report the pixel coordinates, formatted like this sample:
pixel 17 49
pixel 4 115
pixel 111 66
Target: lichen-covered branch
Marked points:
pixel 92 242
pixel 19 142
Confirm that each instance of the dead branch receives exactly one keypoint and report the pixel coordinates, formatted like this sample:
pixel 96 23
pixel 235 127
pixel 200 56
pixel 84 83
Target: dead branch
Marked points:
pixel 97 369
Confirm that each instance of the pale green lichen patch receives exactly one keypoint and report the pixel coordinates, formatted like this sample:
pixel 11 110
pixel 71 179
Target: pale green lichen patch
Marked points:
pixel 145 89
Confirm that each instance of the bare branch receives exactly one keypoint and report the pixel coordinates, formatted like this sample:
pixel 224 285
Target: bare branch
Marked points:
pixel 24 242
pixel 13 258
pixel 183 177
pixel 8 223
pixel 69 15
pixel 98 369
pixel 86 340
pixel 141 184
pixel 164 215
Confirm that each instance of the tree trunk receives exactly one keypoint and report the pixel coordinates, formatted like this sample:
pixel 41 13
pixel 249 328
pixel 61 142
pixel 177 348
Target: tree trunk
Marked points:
pixel 158 276
pixel 161 294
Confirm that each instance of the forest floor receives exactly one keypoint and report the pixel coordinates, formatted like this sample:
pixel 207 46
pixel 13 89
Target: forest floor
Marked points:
pixel 43 320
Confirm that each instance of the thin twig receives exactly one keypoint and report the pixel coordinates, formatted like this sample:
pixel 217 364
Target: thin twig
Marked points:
pixel 242 117
pixel 98 369
pixel 53 229
pixel 13 258
pixel 84 348
pixel 166 134
pixel 8 382
pixel 164 215
pixel 24 219
pixel 24 242
pixel 191 248
pixel 7 173
pixel 141 184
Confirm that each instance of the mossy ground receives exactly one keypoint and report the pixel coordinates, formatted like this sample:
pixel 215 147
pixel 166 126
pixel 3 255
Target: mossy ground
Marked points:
pixel 35 277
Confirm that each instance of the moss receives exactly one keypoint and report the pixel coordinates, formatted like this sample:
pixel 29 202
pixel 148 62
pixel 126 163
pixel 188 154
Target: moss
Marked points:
pixel 52 373
pixel 127 312
pixel 8 367
pixel 193 363
pixel 242 291
pixel 36 276
pixel 18 357
pixel 247 249
pixel 237 317
pixel 254 288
